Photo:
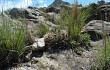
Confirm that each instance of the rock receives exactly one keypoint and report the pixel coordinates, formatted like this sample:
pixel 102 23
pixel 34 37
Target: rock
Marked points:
pixel 30 7
pixel 34 21
pixel 51 24
pixel 97 43
pixel 64 60
pixel 29 13
pixel 28 56
pixel 41 19
pixel 18 12
pixel 39 43
pixel 35 45
pixel 53 9
pixel 58 3
pixel 45 62
pixel 53 17
pixel 31 16
pixel 94 28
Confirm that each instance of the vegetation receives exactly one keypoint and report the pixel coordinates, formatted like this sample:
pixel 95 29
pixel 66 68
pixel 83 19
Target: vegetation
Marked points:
pixel 42 30
pixel 103 57
pixel 93 10
pixel 76 23
pixel 14 37
pixel 72 23
pixel 12 43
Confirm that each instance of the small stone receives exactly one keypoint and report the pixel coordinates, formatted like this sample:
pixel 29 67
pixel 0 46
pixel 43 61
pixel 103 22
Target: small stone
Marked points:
pixel 28 56
pixel 41 42
pixel 35 45
pixel 83 68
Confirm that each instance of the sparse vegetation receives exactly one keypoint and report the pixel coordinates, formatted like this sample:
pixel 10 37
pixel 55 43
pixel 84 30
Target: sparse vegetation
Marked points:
pixel 72 23
pixel 12 43
pixel 61 33
pixel 103 57
pixel 42 30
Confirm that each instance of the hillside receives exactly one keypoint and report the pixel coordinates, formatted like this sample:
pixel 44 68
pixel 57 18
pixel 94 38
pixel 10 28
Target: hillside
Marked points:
pixel 58 3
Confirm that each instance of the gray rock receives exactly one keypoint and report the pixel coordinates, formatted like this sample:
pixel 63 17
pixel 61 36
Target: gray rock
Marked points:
pixel 18 12
pixel 24 13
pixel 53 17
pixel 95 29
pixel 59 61
pixel 53 9
pixel 28 56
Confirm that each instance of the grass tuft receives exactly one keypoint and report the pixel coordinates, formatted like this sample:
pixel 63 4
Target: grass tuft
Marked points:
pixel 12 42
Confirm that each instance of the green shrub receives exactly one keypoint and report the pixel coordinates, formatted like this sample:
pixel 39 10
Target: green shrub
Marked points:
pixel 12 42
pixel 81 40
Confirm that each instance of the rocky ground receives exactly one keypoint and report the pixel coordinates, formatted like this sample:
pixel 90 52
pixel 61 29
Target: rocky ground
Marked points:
pixel 59 59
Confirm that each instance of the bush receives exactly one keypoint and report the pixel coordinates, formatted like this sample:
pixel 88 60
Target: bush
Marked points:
pixel 12 42
pixel 81 40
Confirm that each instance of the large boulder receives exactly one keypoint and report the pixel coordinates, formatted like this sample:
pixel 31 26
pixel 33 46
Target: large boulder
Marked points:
pixel 95 29
pixel 18 12
pixel 24 13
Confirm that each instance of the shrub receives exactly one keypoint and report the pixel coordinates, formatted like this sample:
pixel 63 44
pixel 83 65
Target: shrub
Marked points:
pixel 81 40
pixel 12 42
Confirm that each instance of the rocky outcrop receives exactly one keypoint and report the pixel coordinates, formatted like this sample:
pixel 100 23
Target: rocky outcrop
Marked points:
pixel 23 13
pixel 33 18
pixel 58 3
pixel 95 29
pixel 53 9
pixel 43 57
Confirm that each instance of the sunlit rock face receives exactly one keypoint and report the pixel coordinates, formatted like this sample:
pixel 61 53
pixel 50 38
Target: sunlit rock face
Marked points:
pixel 58 3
